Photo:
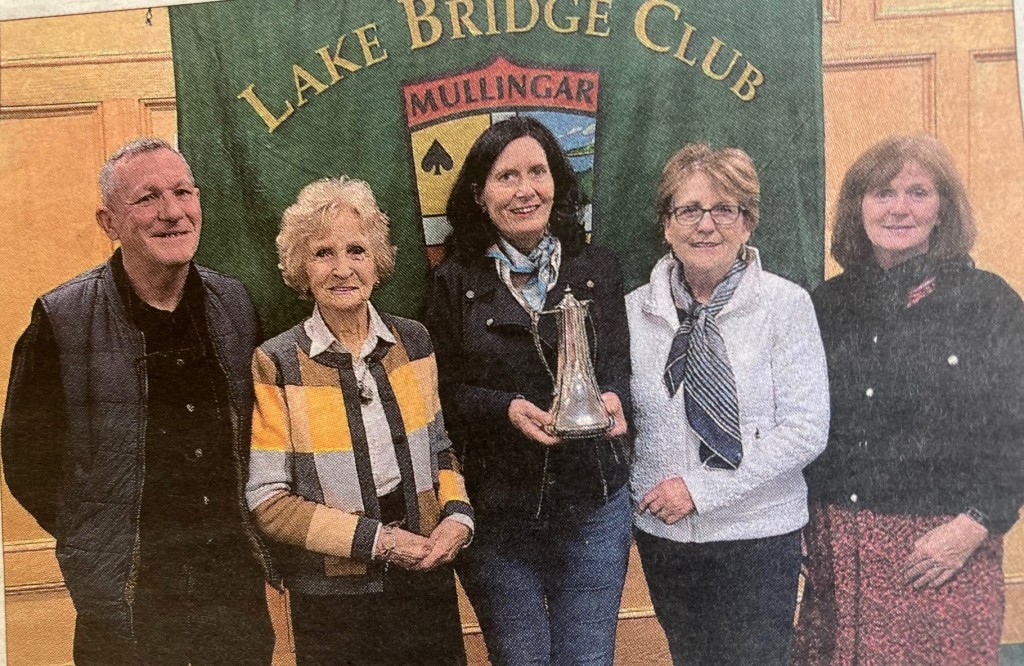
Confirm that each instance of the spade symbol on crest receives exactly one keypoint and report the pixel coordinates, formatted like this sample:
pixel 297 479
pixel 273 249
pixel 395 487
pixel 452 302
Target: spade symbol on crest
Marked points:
pixel 437 158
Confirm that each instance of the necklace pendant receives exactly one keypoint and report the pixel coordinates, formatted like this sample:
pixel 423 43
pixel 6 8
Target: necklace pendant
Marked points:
pixel 365 393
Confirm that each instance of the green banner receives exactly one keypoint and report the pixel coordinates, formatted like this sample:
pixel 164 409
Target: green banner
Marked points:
pixel 272 95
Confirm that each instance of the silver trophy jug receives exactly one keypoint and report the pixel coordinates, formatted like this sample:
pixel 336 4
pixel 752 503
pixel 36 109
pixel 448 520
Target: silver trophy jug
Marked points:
pixel 577 407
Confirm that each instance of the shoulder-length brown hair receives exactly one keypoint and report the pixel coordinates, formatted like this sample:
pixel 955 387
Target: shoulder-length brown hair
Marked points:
pixel 954 234
pixel 473 231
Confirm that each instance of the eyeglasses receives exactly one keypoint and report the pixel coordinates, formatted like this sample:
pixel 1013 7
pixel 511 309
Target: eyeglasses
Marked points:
pixel 721 214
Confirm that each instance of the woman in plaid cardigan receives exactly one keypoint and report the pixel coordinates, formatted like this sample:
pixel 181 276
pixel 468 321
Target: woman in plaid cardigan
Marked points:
pixel 352 474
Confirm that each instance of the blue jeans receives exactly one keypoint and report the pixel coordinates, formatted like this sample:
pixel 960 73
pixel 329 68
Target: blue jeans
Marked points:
pixel 550 593
pixel 725 603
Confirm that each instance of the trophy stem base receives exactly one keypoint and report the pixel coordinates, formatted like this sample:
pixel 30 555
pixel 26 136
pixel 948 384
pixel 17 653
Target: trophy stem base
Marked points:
pixel 582 433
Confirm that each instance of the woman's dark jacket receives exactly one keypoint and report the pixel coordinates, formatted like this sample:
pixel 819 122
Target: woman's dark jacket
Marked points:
pixel 927 396
pixel 486 357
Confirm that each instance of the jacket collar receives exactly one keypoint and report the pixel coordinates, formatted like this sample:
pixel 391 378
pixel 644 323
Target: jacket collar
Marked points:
pixel 659 302
pixel 321 338
pixel 192 297
pixel 482 285
pixel 121 296
pixel 343 359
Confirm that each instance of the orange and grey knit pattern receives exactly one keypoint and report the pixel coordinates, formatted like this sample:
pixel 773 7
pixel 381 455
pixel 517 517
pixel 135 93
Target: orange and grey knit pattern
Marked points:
pixel 310 481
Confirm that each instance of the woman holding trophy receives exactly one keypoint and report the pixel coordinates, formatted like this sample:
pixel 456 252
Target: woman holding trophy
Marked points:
pixel 731 402
pixel 546 568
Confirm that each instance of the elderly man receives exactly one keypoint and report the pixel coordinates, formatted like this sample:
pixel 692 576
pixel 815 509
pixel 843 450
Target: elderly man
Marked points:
pixel 126 433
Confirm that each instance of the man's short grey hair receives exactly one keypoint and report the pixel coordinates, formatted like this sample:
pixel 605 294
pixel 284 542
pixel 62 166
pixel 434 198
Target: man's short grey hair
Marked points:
pixel 126 152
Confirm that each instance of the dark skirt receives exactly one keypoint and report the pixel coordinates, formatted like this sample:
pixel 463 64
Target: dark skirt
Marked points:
pixel 856 610
pixel 414 621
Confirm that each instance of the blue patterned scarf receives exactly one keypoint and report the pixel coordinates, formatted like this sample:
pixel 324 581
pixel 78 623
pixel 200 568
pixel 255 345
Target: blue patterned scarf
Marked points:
pixel 541 265
pixel 699 362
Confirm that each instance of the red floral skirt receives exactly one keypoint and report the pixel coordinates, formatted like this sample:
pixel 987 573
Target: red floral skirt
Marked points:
pixel 857 611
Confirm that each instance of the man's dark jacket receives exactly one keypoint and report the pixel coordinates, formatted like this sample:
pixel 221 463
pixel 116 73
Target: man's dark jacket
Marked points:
pixel 94 513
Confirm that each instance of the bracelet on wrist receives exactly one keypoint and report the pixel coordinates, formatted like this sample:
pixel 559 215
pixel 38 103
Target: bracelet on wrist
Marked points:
pixel 390 539
pixel 979 517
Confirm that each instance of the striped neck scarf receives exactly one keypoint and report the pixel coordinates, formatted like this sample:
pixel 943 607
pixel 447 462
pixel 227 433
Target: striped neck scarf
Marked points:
pixel 542 265
pixel 699 362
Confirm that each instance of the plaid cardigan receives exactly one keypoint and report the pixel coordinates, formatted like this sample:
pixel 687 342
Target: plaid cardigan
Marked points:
pixel 311 485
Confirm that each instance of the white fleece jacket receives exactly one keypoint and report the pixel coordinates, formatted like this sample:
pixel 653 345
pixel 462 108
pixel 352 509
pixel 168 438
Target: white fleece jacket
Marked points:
pixel 771 334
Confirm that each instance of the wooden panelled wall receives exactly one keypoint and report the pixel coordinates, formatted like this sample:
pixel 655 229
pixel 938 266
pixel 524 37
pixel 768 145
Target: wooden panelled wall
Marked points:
pixel 73 89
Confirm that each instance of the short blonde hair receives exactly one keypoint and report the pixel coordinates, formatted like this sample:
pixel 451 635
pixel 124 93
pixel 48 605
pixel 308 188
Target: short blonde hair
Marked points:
pixel 312 213
pixel 730 169
pixel 952 237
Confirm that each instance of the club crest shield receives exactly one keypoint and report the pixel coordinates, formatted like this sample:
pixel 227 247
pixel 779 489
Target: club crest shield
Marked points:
pixel 446 114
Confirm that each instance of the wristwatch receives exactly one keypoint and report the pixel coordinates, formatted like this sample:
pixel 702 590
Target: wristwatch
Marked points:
pixel 979 517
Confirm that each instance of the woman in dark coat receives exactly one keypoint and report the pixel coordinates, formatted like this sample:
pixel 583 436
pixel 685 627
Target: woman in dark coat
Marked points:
pixel 546 568
pixel 923 470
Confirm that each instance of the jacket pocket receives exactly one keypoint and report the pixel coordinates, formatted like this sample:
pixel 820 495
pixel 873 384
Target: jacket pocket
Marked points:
pixel 752 433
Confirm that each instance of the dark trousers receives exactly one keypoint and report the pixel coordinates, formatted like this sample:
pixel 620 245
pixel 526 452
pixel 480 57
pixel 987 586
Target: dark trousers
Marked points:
pixel 724 603
pixel 198 613
pixel 414 621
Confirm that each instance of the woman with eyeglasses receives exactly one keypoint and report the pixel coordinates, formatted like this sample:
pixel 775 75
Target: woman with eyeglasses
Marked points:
pixel 924 470
pixel 731 402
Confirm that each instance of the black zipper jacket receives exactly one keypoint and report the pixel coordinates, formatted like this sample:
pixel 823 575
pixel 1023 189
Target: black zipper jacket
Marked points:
pixel 487 356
